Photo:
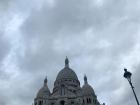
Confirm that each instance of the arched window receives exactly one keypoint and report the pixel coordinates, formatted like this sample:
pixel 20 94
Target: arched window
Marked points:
pixel 62 102
pixel 95 101
pixel 40 102
pixel 52 104
pixel 89 100
pixel 35 103
pixel 72 102
pixel 83 101
pixel 62 90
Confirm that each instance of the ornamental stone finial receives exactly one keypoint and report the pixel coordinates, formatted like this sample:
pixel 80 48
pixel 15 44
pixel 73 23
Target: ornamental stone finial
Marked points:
pixel 66 62
pixel 85 79
pixel 45 81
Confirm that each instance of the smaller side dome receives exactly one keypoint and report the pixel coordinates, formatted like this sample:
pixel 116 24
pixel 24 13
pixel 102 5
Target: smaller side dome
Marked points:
pixel 44 92
pixel 87 89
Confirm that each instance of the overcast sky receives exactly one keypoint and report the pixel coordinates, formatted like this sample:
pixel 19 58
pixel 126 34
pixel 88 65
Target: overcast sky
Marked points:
pixel 100 38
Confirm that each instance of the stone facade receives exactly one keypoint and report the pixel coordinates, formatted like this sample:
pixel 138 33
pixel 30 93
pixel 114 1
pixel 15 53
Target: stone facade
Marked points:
pixel 67 90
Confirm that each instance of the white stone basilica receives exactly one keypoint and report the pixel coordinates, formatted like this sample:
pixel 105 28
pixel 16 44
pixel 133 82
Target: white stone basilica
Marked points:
pixel 67 90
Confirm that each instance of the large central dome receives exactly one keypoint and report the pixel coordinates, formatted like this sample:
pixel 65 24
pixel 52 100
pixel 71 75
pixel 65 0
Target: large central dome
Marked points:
pixel 66 83
pixel 66 72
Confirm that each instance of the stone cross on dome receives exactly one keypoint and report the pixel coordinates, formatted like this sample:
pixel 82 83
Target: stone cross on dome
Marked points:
pixel 85 79
pixel 66 62
pixel 45 81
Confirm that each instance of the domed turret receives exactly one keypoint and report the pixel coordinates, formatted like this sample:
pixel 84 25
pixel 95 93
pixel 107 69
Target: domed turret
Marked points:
pixel 44 92
pixel 87 89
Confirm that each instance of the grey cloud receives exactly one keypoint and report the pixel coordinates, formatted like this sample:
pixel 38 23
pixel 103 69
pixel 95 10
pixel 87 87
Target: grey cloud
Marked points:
pixel 95 38
pixel 5 49
pixel 4 4
pixel 61 31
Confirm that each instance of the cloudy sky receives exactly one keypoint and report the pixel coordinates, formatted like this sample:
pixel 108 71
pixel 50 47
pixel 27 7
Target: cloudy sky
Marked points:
pixel 100 37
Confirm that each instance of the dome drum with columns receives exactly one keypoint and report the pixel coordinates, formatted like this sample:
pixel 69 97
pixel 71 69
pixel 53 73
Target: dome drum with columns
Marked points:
pixel 67 90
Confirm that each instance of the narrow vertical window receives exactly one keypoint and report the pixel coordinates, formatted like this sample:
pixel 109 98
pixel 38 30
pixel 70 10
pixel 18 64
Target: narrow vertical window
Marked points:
pixel 40 102
pixel 62 90
pixel 89 100
pixel 83 101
